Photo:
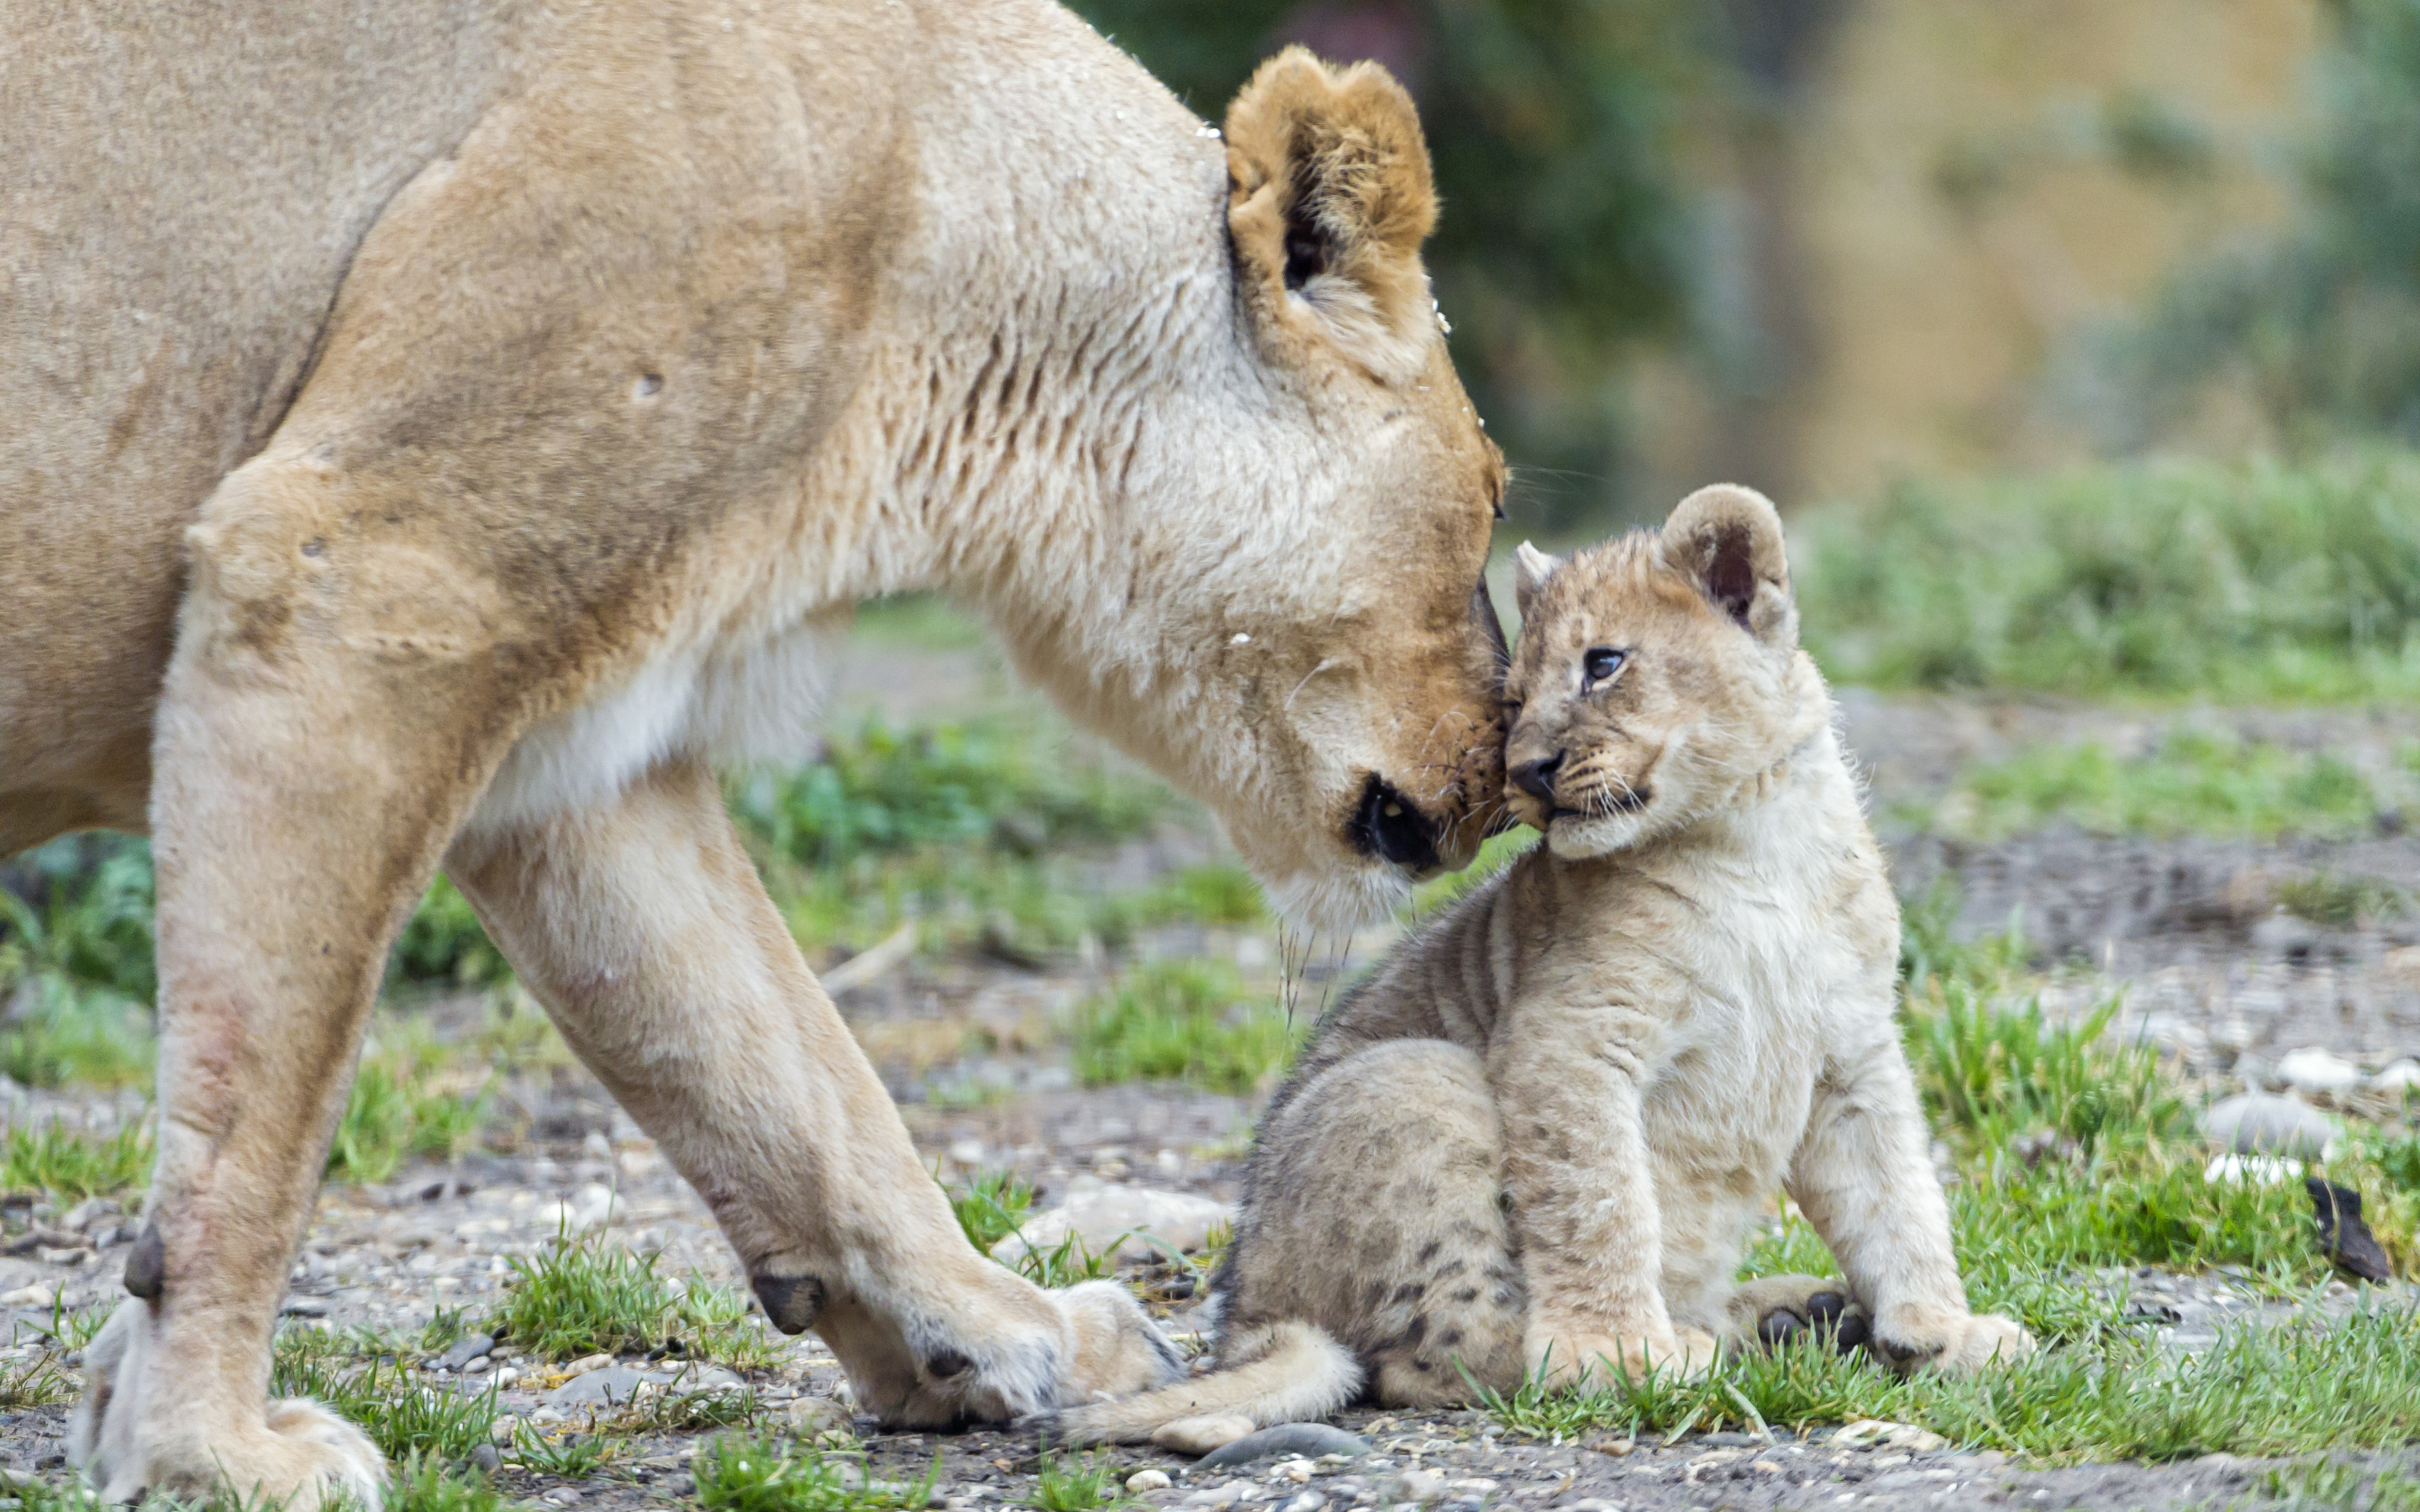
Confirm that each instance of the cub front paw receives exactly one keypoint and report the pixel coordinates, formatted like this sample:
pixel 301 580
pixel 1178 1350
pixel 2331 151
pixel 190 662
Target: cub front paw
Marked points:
pixel 1961 1343
pixel 1576 1359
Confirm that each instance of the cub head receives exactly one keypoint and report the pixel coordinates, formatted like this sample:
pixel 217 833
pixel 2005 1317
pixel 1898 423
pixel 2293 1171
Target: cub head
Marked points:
pixel 1658 677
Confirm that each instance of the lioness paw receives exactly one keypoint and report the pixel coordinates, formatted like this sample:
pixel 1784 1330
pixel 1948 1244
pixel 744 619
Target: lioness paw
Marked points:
pixel 299 1455
pixel 1912 1339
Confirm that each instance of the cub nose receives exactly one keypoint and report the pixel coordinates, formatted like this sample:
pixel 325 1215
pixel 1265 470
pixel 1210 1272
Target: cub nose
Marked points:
pixel 1537 778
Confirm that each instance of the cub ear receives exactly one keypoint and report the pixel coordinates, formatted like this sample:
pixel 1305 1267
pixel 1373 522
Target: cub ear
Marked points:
pixel 1728 540
pixel 1531 567
pixel 1329 199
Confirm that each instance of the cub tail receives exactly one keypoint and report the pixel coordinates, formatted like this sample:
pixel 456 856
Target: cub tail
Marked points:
pixel 1288 1372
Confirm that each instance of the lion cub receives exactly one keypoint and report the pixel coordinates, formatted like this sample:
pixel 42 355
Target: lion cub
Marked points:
pixel 1537 1135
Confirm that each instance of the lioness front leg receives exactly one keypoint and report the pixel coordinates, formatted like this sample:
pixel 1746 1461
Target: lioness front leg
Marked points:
pixel 1583 1188
pixel 645 929
pixel 297 819
pixel 1863 1178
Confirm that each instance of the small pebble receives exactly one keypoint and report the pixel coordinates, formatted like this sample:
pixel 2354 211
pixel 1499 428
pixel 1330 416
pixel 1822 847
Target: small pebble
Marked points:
pixel 1148 1480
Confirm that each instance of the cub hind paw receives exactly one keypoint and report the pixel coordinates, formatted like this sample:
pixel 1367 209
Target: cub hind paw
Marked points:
pixel 1774 1309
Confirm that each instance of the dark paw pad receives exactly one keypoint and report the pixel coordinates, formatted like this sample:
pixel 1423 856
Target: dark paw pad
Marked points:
pixel 943 1363
pixel 147 1266
pixel 789 1300
pixel 1779 1326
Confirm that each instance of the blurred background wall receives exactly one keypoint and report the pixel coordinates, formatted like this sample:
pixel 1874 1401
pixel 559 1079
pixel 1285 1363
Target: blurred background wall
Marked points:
pixel 1820 245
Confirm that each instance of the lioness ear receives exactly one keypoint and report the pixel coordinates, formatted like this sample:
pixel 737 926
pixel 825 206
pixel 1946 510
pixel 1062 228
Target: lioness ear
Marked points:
pixel 1329 199
pixel 1531 567
pixel 1728 540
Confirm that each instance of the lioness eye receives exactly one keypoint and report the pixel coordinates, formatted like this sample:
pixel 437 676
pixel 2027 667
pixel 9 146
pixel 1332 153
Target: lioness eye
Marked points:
pixel 1600 663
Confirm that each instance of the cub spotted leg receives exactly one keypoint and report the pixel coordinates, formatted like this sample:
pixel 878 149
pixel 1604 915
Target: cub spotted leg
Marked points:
pixel 643 928
pixel 1376 1214
pixel 1863 1177
pixel 306 781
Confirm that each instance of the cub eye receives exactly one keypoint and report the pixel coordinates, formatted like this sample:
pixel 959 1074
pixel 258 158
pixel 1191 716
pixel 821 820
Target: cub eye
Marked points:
pixel 1600 665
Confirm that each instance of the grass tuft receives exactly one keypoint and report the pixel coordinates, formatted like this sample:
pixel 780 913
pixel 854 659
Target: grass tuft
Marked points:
pixel 738 1473
pixel 1083 1483
pixel 2245 583
pixel 1183 1020
pixel 74 1165
pixel 2191 783
pixel 581 1296
pixel 352 1374
pixel 406 1100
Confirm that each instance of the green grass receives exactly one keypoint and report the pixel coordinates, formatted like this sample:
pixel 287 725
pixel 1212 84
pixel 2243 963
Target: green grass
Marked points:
pixel 1080 1483
pixel 2191 783
pixel 74 1165
pixel 1182 1020
pixel 425 1483
pixel 737 1473
pixel 2340 901
pixel 581 1296
pixel 401 1106
pixel 991 1207
pixel 2245 583
pixel 402 1416
pixel 2275 1391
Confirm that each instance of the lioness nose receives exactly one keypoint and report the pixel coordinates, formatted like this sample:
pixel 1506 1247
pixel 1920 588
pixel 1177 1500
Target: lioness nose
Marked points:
pixel 1537 778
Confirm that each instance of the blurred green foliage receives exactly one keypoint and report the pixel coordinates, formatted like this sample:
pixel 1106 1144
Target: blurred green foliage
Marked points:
pixel 1552 124
pixel 2238 582
pixel 2188 783
pixel 2322 320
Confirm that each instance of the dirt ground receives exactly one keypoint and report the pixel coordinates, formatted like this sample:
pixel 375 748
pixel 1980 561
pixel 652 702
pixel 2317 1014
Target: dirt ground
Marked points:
pixel 2185 925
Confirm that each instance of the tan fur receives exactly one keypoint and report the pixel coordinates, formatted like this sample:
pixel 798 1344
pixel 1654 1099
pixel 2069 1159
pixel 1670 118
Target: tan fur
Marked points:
pixel 1536 1136
pixel 440 429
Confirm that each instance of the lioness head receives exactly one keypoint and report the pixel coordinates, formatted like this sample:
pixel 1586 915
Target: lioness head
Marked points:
pixel 1301 634
pixel 1659 679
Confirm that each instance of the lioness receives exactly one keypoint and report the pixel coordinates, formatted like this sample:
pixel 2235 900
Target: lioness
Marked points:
pixel 436 430
pixel 1536 1137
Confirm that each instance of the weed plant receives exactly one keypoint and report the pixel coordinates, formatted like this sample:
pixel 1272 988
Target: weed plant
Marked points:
pixel 991 1207
pixel 581 1296
pixel 2240 583
pixel 428 1483
pixel 2191 783
pixel 1081 1483
pixel 1183 1020
pixel 2265 1392
pixel 401 1416
pixel 739 1474
pixel 405 1102
pixel 72 1163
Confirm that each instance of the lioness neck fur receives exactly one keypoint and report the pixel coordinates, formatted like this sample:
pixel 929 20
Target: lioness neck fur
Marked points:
pixel 439 430
pixel 1535 1139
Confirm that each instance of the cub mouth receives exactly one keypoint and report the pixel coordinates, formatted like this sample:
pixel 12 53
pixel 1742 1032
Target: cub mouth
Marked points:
pixel 1629 802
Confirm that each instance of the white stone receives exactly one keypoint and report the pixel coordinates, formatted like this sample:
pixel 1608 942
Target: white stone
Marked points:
pixel 2401 1077
pixel 1420 1485
pixel 1148 1480
pixel 967 1153
pixel 2257 1171
pixel 2318 1073
pixel 2260 1124
pixel 1121 1216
